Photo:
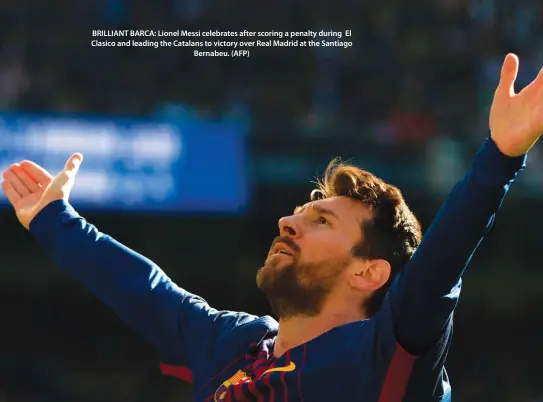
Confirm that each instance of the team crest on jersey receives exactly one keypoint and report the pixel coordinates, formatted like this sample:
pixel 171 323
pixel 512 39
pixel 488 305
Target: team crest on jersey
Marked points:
pixel 237 378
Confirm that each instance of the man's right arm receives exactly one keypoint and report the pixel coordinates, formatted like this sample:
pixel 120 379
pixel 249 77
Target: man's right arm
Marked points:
pixel 179 324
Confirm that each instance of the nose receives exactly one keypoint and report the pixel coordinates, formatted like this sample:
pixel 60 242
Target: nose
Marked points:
pixel 289 227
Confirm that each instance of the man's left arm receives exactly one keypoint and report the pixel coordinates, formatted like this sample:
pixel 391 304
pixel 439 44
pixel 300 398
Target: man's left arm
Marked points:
pixel 426 293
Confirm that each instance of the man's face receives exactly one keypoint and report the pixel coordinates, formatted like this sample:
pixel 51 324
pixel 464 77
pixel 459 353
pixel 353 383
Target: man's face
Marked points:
pixel 307 261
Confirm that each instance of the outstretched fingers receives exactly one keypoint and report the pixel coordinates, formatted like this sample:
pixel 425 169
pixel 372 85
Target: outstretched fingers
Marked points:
pixel 12 195
pixel 16 183
pixel 30 183
pixel 39 174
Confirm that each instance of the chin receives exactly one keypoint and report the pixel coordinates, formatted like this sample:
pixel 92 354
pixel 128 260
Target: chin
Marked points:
pixel 267 273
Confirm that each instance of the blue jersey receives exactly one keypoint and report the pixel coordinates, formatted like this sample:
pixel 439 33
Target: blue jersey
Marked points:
pixel 396 355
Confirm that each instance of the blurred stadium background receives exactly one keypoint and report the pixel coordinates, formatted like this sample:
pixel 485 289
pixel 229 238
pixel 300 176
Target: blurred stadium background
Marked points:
pixel 191 161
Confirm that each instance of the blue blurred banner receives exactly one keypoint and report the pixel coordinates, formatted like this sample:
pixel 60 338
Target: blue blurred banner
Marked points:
pixel 136 165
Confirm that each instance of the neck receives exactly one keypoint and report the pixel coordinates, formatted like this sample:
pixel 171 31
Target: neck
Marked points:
pixel 297 330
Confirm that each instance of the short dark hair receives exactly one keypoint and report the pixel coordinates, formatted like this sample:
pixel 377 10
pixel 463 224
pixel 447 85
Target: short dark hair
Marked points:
pixel 393 233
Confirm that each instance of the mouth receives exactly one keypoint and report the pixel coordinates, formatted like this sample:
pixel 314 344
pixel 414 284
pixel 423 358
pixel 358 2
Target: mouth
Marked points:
pixel 282 249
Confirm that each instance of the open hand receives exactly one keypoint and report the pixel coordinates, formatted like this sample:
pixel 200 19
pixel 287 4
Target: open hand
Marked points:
pixel 516 120
pixel 29 187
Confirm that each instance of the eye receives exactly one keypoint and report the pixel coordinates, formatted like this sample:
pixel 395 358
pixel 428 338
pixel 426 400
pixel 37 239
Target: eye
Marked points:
pixel 321 220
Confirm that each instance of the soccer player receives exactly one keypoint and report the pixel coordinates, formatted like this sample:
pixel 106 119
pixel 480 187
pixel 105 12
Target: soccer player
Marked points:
pixel 365 311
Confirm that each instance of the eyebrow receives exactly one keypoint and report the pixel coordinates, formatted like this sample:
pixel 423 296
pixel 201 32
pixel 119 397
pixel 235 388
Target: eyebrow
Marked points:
pixel 319 209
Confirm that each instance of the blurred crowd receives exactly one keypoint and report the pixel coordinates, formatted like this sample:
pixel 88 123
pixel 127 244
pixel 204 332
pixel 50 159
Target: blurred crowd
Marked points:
pixel 417 69
pixel 409 76
pixel 418 81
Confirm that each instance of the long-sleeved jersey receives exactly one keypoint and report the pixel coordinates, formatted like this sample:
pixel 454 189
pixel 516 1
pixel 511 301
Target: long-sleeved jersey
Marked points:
pixel 397 355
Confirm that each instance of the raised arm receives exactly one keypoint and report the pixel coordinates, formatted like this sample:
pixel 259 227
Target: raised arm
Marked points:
pixel 181 326
pixel 427 291
pixel 425 295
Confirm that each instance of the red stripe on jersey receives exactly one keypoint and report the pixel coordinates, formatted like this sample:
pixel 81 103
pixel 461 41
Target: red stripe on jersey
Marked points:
pixel 238 393
pixel 285 396
pixel 300 374
pixel 285 388
pixel 181 372
pixel 254 390
pixel 266 382
pixel 397 375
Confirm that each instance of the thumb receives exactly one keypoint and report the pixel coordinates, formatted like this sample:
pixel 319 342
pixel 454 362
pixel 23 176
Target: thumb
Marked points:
pixel 508 76
pixel 64 181
pixel 73 163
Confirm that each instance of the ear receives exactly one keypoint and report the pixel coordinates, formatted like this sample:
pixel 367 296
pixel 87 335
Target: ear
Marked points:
pixel 370 275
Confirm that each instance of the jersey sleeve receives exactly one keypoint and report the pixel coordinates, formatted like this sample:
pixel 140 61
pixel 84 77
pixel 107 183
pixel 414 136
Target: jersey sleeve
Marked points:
pixel 180 325
pixel 425 294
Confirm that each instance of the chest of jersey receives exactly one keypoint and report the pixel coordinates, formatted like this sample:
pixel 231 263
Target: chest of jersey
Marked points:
pixel 333 367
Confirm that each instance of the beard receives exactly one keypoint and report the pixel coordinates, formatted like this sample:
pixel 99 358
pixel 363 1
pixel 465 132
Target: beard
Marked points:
pixel 297 288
